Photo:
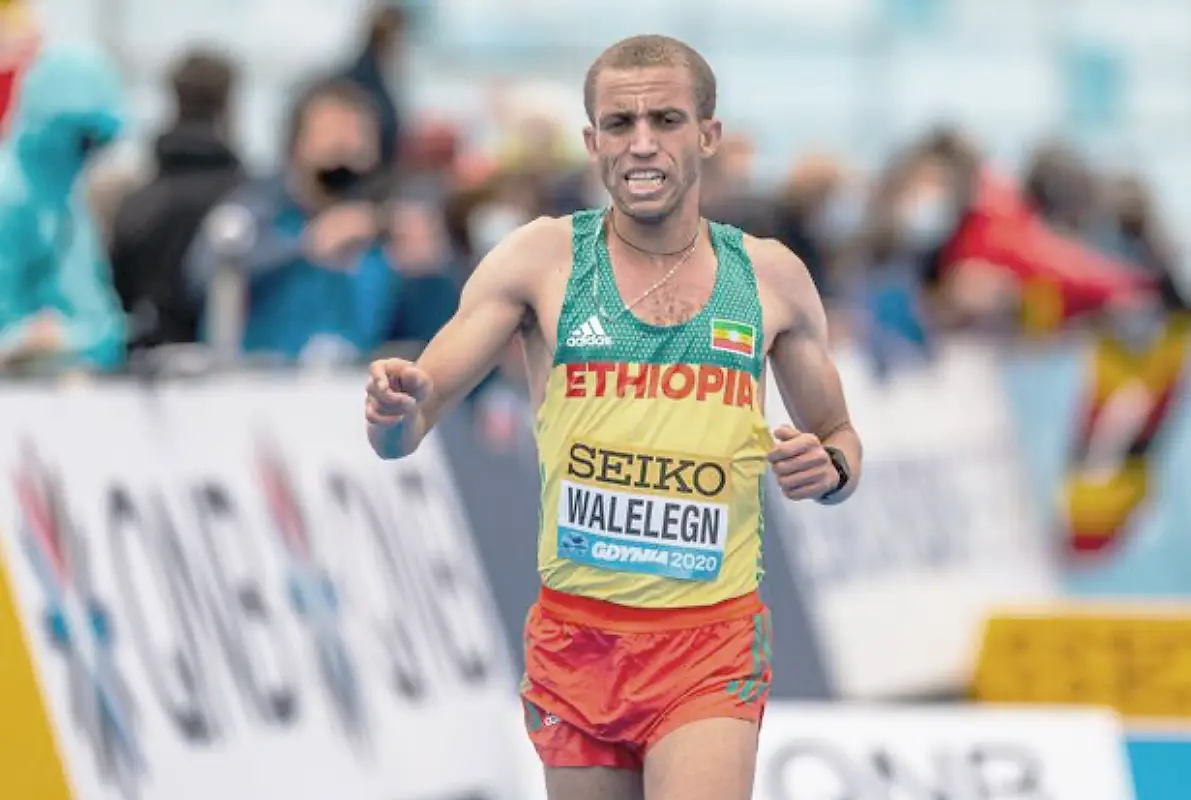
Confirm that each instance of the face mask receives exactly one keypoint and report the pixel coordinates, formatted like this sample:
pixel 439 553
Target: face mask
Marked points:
pixel 338 180
pixel 487 226
pixel 927 223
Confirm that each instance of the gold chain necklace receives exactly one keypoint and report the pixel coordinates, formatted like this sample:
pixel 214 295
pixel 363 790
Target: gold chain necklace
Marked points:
pixel 595 283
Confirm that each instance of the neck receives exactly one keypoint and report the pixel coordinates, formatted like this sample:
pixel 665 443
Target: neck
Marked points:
pixel 670 235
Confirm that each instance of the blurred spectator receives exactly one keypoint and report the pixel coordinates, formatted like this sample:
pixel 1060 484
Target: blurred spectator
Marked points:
pixel 728 192
pixel 515 198
pixel 1060 186
pixel 155 225
pixel 911 214
pixel 539 152
pixel 333 268
pixel 374 69
pixel 57 304
pixel 816 216
pixel 429 163
pixel 996 259
pixel 575 190
pixel 1133 230
pixel 480 216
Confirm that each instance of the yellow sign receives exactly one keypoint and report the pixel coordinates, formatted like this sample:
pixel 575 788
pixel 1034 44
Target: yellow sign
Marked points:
pixel 1138 663
pixel 30 766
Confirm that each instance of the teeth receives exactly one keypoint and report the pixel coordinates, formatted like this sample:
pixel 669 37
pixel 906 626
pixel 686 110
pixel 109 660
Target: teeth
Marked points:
pixel 645 175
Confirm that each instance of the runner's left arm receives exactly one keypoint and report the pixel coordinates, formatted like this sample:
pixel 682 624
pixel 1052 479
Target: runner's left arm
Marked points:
pixel 803 369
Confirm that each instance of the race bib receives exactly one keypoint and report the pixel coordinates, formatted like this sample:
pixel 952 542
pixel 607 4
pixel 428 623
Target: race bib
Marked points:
pixel 653 512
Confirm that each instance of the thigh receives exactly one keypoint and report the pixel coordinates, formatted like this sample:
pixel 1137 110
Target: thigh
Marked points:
pixel 593 783
pixel 709 759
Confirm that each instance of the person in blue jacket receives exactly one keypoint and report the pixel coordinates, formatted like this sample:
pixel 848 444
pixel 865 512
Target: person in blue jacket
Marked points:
pixel 57 302
pixel 332 266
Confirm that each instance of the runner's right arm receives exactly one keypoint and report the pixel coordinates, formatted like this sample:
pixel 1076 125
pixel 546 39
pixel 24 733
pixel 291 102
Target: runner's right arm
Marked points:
pixel 405 400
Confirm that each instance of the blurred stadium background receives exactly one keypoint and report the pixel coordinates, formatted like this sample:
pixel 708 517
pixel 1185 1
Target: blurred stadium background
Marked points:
pixel 211 588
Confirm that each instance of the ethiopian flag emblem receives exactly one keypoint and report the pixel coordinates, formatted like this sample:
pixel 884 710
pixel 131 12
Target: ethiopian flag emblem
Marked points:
pixel 734 337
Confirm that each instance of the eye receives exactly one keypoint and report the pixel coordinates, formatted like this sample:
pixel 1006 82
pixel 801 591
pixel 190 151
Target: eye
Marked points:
pixel 668 120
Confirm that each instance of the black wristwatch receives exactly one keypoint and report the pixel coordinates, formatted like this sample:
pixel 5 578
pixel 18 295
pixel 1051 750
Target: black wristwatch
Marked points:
pixel 840 462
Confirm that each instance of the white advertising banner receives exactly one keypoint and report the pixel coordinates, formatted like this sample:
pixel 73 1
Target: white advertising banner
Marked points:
pixel 898 580
pixel 843 752
pixel 227 595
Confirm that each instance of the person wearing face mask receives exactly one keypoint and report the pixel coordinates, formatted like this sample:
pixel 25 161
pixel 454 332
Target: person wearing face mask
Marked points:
pixel 331 265
pixel 910 215
pixel 991 253
pixel 811 216
pixel 58 308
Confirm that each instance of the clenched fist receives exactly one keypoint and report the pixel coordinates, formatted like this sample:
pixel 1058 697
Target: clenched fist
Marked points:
pixel 803 468
pixel 395 389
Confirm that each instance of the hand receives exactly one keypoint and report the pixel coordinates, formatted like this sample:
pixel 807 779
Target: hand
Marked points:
pixel 45 335
pixel 395 389
pixel 338 234
pixel 801 464
pixel 418 241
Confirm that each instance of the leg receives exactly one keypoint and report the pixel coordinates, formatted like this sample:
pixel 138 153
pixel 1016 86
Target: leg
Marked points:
pixel 705 747
pixel 709 759
pixel 579 766
pixel 593 783
pixel 582 761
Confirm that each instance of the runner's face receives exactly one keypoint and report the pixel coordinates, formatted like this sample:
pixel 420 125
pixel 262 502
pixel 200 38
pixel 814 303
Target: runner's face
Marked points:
pixel 647 140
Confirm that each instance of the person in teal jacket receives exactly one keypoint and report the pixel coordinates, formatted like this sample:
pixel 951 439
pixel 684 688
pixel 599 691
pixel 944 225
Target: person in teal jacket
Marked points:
pixel 58 306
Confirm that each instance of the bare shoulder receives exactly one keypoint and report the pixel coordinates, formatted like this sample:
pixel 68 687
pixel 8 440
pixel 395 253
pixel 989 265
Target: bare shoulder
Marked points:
pixel 785 284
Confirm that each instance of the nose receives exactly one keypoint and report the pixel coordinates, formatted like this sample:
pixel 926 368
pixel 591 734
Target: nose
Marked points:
pixel 644 143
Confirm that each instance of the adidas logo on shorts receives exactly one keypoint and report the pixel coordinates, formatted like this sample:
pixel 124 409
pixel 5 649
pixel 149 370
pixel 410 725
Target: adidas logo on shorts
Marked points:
pixel 590 334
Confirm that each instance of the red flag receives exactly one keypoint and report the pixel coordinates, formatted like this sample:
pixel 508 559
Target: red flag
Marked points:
pixel 1067 275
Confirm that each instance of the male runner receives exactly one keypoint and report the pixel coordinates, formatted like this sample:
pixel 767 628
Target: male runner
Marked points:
pixel 646 330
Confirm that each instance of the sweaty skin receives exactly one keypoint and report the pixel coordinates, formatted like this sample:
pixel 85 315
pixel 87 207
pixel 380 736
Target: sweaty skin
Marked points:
pixel 519 287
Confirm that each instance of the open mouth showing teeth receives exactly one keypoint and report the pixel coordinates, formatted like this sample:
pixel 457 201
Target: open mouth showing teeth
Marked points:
pixel 645 179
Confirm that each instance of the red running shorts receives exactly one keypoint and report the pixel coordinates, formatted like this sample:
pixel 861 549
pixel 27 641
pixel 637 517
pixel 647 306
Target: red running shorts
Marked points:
pixel 603 683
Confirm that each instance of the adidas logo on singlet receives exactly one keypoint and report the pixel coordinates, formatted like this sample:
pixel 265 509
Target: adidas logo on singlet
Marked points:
pixel 590 334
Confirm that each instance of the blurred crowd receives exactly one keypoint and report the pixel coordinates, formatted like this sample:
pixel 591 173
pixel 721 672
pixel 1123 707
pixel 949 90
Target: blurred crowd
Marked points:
pixel 366 232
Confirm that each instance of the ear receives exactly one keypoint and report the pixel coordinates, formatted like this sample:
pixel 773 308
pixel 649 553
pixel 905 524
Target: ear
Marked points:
pixel 711 131
pixel 589 141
